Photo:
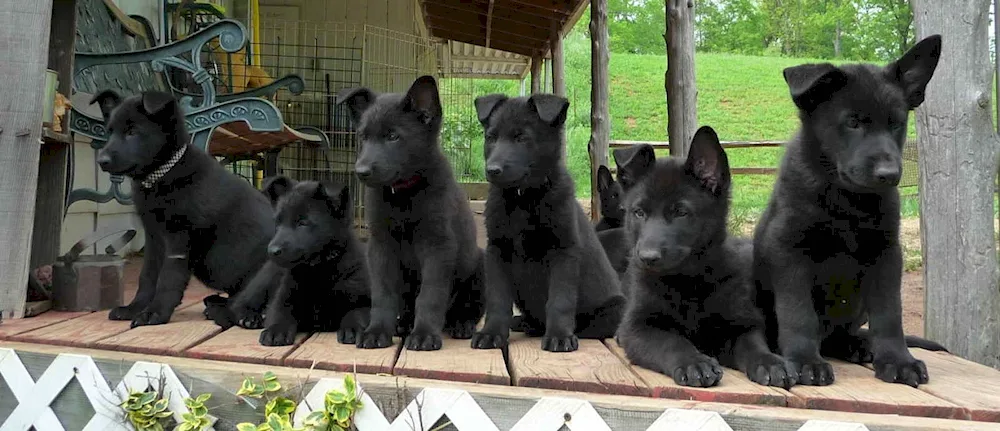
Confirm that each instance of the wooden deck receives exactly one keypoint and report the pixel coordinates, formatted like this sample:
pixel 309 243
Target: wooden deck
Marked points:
pixel 958 389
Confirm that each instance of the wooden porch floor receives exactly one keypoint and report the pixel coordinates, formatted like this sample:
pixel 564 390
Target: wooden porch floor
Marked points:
pixel 958 389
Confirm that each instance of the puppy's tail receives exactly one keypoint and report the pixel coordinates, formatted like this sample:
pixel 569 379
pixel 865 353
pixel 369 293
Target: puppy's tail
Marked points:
pixel 923 343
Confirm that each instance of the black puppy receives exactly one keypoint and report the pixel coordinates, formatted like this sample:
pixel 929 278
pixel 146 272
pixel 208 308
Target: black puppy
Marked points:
pixel 610 193
pixel 325 286
pixel 691 297
pixel 543 252
pixel 827 245
pixel 199 218
pixel 423 254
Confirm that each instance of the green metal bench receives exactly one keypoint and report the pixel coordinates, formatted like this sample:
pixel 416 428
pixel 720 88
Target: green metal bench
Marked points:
pixel 115 51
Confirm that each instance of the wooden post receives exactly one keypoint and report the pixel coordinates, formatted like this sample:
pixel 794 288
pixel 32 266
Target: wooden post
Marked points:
pixel 958 157
pixel 558 62
pixel 600 119
pixel 50 203
pixel 26 42
pixel 679 83
pixel 536 73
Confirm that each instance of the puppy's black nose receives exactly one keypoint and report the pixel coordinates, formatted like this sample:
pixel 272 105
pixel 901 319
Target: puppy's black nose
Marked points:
pixel 363 171
pixel 274 251
pixel 103 160
pixel 494 171
pixel 887 174
pixel 649 256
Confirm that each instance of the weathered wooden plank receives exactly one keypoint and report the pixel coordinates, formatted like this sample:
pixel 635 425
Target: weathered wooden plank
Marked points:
pixel 187 328
pixel 456 361
pixel 592 368
pixel 87 330
pixel 973 386
pixel 24 34
pixel 327 354
pixel 958 159
pixel 20 326
pixel 735 387
pixel 600 117
pixel 679 80
pixel 857 390
pixel 242 345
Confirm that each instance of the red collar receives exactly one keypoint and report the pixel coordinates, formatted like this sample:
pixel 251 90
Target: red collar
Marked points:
pixel 405 183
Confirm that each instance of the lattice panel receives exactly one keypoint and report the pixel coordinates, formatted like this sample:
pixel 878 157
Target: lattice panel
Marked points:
pixel 430 405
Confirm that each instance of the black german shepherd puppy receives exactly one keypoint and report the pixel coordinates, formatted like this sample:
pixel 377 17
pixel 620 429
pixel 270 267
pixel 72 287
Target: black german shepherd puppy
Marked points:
pixel 692 302
pixel 325 285
pixel 199 218
pixel 610 193
pixel 422 253
pixel 542 253
pixel 827 246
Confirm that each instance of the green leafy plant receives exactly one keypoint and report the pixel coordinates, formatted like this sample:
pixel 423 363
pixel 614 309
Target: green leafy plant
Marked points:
pixel 197 417
pixel 145 412
pixel 338 409
pixel 278 410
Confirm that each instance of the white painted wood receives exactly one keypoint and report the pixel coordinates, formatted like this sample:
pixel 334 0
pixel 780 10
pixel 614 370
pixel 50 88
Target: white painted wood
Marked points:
pixel 22 386
pixel 818 425
pixel 145 374
pixel 431 404
pixel 689 420
pixel 550 413
pixel 107 415
pixel 368 418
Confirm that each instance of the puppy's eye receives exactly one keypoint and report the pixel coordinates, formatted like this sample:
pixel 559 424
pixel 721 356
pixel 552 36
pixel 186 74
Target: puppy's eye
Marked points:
pixel 491 137
pixel 391 136
pixel 303 222
pixel 521 138
pixel 639 213
pixel 853 123
pixel 681 211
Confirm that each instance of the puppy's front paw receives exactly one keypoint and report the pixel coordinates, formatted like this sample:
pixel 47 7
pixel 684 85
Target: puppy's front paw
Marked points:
pixel 348 335
pixel 150 317
pixel 374 339
pixel 125 312
pixel 815 372
pixel 461 330
pixel 771 370
pixel 221 316
pixel 698 371
pixel 419 340
pixel 554 343
pixel 903 369
pixel 278 335
pixel 249 319
pixel 486 340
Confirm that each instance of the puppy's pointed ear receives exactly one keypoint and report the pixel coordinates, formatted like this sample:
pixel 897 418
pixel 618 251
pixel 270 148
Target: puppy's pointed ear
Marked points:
pixel 550 108
pixel 157 102
pixel 358 100
pixel 915 68
pixel 633 163
pixel 485 105
pixel 277 186
pixel 107 100
pixel 707 161
pixel 812 84
pixel 604 179
pixel 424 99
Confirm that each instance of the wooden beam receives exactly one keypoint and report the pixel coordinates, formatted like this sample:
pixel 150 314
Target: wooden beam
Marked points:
pixel 516 14
pixel 489 23
pixel 477 39
pixel 679 80
pixel 23 69
pixel 958 158
pixel 508 33
pixel 600 118
pixel 54 158
pixel 536 73
pixel 558 61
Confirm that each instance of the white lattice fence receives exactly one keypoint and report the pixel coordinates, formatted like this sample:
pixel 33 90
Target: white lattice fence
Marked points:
pixel 422 413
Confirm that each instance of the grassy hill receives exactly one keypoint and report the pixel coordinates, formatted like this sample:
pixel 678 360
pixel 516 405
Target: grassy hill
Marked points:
pixel 744 98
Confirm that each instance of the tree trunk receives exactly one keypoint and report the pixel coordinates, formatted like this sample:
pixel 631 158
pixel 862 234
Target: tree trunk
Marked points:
pixel 679 83
pixel 600 127
pixel 958 157
pixel 836 41
pixel 536 73
pixel 558 62
pixel 26 40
